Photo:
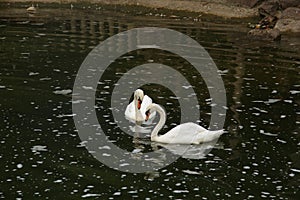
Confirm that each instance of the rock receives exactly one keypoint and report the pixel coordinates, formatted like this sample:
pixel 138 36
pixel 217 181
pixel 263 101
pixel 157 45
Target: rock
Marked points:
pixel 291 13
pixel 289 21
pixel 289 3
pixel 269 7
pixel 288 25
pixel 267 22
pixel 246 3
pixel 265 34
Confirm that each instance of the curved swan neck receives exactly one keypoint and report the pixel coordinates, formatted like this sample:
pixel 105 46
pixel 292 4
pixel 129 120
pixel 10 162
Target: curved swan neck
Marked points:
pixel 137 112
pixel 161 122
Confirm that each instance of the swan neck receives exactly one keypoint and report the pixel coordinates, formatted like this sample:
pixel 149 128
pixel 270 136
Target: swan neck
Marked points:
pixel 137 112
pixel 161 122
pixel 135 104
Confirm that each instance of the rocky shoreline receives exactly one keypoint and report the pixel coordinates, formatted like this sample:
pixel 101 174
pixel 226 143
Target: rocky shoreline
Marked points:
pixel 222 8
pixel 277 16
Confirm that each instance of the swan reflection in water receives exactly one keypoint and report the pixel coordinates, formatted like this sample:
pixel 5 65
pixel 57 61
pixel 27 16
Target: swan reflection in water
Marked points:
pixel 190 151
pixel 186 151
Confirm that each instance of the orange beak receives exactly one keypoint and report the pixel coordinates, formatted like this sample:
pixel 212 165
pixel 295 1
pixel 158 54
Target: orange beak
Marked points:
pixel 139 104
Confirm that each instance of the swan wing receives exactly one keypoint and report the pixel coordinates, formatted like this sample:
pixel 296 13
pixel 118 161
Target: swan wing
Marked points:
pixel 147 101
pixel 133 116
pixel 130 111
pixel 182 134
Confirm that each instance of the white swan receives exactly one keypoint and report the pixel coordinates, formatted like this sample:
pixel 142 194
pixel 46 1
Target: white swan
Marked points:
pixel 136 110
pixel 187 133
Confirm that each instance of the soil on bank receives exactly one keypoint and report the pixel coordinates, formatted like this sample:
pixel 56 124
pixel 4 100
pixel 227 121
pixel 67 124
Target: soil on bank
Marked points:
pixel 222 8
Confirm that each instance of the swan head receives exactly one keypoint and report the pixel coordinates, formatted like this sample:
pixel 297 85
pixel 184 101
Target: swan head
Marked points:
pixel 138 97
pixel 152 108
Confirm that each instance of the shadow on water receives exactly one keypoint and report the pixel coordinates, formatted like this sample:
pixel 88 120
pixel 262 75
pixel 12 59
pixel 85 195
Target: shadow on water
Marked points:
pixel 42 156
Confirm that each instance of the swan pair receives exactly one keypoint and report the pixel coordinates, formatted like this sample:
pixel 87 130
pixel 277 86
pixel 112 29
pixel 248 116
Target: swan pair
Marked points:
pixel 187 133
pixel 136 110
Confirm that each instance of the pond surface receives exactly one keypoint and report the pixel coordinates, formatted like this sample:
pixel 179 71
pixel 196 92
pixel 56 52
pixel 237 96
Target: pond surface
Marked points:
pixel 42 156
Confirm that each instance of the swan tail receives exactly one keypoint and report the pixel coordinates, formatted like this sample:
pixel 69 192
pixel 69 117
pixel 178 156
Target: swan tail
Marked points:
pixel 208 136
pixel 217 133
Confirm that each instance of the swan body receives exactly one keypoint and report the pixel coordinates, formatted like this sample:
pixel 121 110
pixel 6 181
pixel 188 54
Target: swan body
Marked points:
pixel 187 133
pixel 136 110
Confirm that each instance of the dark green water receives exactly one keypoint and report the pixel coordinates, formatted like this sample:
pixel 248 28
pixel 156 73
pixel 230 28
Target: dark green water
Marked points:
pixel 41 156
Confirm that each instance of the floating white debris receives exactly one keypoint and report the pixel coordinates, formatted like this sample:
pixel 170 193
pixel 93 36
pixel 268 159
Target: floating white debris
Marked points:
pixel 153 46
pixel 67 91
pixel 117 194
pixel 19 166
pixel 223 72
pixel 191 172
pixel 267 134
pixel 38 148
pixel 294 91
pixel 124 164
pixel 272 101
pixel 296 170
pixel 246 167
pixel 33 73
pixel 136 150
pixel 291 174
pixel 180 191
pixel 266 193
pixel 274 92
pixel 81 144
pixel 257 101
pixel 187 86
pixel 45 79
pixel 260 110
pixel 90 195
pixel 249 79
pixel 78 101
pixel 65 115
pixel 281 141
pixel 104 147
pixel 88 87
